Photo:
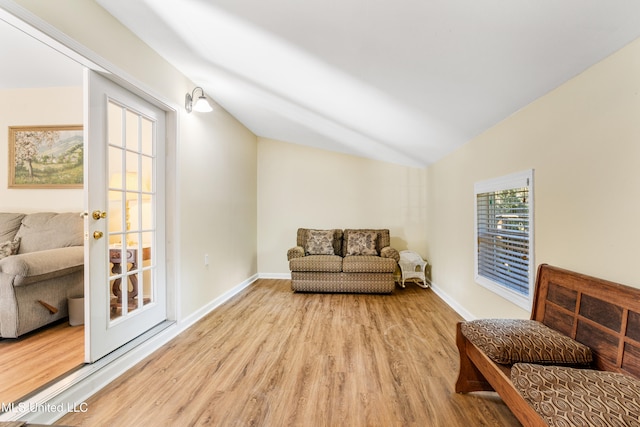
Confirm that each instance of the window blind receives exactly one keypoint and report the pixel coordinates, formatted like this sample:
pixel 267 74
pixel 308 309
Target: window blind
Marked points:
pixel 503 237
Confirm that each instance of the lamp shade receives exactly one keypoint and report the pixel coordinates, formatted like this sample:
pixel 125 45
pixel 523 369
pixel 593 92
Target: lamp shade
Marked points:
pixel 202 105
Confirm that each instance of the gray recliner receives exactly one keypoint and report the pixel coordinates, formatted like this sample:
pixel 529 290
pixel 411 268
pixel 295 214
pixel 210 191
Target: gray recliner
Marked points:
pixel 47 268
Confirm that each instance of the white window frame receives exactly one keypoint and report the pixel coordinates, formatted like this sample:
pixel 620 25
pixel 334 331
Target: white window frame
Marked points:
pixel 517 180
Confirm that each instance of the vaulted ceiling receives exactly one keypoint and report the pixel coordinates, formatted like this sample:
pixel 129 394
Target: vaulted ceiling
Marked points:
pixel 404 81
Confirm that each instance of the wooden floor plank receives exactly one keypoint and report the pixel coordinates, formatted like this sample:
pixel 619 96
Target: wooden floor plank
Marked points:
pixel 34 360
pixel 270 357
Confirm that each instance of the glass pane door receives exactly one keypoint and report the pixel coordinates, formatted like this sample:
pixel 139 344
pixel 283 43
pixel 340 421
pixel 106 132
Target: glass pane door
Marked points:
pixel 131 206
pixel 125 174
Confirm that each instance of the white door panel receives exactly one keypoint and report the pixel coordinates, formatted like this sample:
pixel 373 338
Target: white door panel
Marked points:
pixel 124 174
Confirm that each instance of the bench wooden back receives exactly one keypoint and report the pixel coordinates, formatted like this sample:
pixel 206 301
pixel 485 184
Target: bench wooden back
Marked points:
pixel 600 314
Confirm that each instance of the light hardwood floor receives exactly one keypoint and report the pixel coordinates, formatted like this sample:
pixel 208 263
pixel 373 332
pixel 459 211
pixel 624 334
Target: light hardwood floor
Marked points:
pixel 32 361
pixel 270 357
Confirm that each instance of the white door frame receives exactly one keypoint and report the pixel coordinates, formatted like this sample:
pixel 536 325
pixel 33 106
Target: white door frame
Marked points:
pixel 72 388
pixel 24 20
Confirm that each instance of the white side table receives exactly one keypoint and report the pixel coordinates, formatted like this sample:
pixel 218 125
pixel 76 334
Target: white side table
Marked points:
pixel 412 266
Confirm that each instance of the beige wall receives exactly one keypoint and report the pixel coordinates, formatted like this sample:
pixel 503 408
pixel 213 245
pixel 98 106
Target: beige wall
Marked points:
pixel 32 107
pixel 583 141
pixel 307 187
pixel 215 159
pixel 218 206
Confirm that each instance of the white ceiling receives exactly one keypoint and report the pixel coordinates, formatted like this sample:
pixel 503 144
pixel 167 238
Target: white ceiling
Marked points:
pixel 405 81
pixel 29 63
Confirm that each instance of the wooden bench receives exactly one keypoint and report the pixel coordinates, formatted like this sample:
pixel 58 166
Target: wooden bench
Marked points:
pixel 603 315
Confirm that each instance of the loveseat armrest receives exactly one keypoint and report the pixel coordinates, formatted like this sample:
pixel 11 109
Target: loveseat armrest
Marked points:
pixel 295 252
pixel 41 265
pixel 389 252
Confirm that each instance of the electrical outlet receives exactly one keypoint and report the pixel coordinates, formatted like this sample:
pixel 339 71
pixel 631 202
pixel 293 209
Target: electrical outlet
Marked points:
pixel 206 259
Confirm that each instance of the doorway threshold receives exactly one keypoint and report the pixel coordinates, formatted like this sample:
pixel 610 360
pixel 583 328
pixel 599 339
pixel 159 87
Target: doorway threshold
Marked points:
pixel 69 394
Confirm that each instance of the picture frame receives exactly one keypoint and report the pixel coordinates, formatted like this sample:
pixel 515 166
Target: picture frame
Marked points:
pixel 46 156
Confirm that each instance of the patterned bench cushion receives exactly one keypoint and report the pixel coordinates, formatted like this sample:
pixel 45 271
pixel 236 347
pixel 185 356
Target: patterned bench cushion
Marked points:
pixel 509 341
pixel 565 396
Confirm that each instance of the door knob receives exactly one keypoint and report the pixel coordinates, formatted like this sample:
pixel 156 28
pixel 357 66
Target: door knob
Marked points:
pixel 97 234
pixel 99 215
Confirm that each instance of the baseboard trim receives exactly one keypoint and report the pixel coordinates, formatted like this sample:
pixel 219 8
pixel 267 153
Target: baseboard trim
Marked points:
pixel 193 318
pixel 286 276
pixel 451 302
pixel 436 289
pixel 70 393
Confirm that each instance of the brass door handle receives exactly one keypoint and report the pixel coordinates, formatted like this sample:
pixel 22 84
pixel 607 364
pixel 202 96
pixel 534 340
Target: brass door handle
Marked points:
pixel 99 215
pixel 98 234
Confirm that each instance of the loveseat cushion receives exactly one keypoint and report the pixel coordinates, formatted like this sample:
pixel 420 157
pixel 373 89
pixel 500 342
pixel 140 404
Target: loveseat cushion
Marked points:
pixel 383 238
pixel 303 234
pixel 565 396
pixel 48 230
pixel 9 225
pixel 368 264
pixel 509 341
pixel 319 242
pixel 325 263
pixel 362 243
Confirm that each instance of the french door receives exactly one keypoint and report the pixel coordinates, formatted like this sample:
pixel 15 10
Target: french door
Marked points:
pixel 124 174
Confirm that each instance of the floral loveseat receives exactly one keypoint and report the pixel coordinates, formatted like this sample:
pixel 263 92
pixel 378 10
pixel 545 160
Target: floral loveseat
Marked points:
pixel 41 264
pixel 353 260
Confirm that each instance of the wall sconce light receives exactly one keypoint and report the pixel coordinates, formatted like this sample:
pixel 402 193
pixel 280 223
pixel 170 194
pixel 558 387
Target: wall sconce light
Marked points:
pixel 201 105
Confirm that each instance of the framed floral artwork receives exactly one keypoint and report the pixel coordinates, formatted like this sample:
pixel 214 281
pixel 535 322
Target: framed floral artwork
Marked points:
pixel 46 156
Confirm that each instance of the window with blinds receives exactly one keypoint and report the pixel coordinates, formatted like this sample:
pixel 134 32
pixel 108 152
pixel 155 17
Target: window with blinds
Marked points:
pixel 504 238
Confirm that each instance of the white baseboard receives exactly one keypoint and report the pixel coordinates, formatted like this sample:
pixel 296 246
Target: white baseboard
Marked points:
pixel 436 289
pixel 70 393
pixel 193 318
pixel 286 276
pixel 451 302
